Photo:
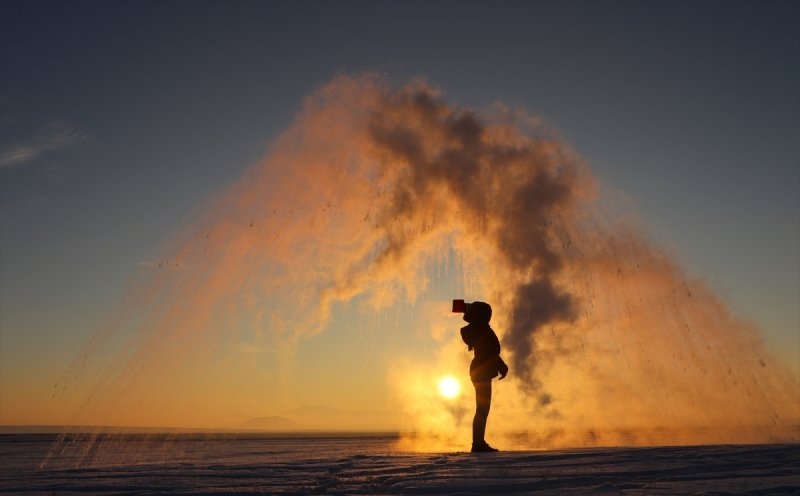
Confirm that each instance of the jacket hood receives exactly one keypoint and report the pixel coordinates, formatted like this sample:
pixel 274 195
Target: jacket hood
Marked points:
pixel 478 313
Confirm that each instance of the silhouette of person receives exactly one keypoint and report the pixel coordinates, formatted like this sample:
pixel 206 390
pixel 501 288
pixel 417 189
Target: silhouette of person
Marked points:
pixel 486 365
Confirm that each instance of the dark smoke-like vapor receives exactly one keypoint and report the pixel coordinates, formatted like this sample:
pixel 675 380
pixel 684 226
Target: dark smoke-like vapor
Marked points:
pixel 511 193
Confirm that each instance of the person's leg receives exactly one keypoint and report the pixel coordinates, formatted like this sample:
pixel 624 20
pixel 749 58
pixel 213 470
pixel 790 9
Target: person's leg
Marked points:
pixel 483 401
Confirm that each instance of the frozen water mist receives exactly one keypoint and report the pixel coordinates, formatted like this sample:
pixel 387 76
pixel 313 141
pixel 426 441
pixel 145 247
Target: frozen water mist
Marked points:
pixel 609 341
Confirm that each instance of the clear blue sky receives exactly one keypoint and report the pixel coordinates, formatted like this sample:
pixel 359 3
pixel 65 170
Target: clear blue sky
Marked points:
pixel 120 120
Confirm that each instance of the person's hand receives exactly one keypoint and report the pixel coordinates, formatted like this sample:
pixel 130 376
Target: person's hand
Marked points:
pixel 503 369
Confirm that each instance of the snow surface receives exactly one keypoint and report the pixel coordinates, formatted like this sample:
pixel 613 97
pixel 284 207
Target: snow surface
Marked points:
pixel 232 464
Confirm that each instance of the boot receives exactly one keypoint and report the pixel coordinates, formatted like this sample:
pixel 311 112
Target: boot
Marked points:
pixel 482 447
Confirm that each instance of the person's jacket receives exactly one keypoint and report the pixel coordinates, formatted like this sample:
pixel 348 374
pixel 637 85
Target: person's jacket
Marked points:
pixel 487 363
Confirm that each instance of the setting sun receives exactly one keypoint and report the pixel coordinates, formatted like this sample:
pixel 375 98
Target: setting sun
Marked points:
pixel 449 387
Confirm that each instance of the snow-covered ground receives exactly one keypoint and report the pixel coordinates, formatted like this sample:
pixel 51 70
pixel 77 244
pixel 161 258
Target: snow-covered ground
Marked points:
pixel 231 464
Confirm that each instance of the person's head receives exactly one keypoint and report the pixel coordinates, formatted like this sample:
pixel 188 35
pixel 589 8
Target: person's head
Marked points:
pixel 478 313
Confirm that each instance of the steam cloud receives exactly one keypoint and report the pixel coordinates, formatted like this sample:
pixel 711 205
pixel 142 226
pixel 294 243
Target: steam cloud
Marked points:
pixel 603 330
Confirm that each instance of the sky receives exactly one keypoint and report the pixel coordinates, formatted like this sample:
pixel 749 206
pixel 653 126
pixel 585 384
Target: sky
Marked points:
pixel 121 121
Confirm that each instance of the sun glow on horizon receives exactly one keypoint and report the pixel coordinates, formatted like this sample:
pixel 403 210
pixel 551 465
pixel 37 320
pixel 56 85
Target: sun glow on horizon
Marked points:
pixel 449 387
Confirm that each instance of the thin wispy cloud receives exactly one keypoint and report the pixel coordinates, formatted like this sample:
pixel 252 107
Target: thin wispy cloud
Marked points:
pixel 55 136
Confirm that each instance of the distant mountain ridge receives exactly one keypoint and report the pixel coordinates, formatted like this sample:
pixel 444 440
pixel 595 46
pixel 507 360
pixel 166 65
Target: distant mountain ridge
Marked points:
pixel 323 417
pixel 310 418
pixel 270 423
